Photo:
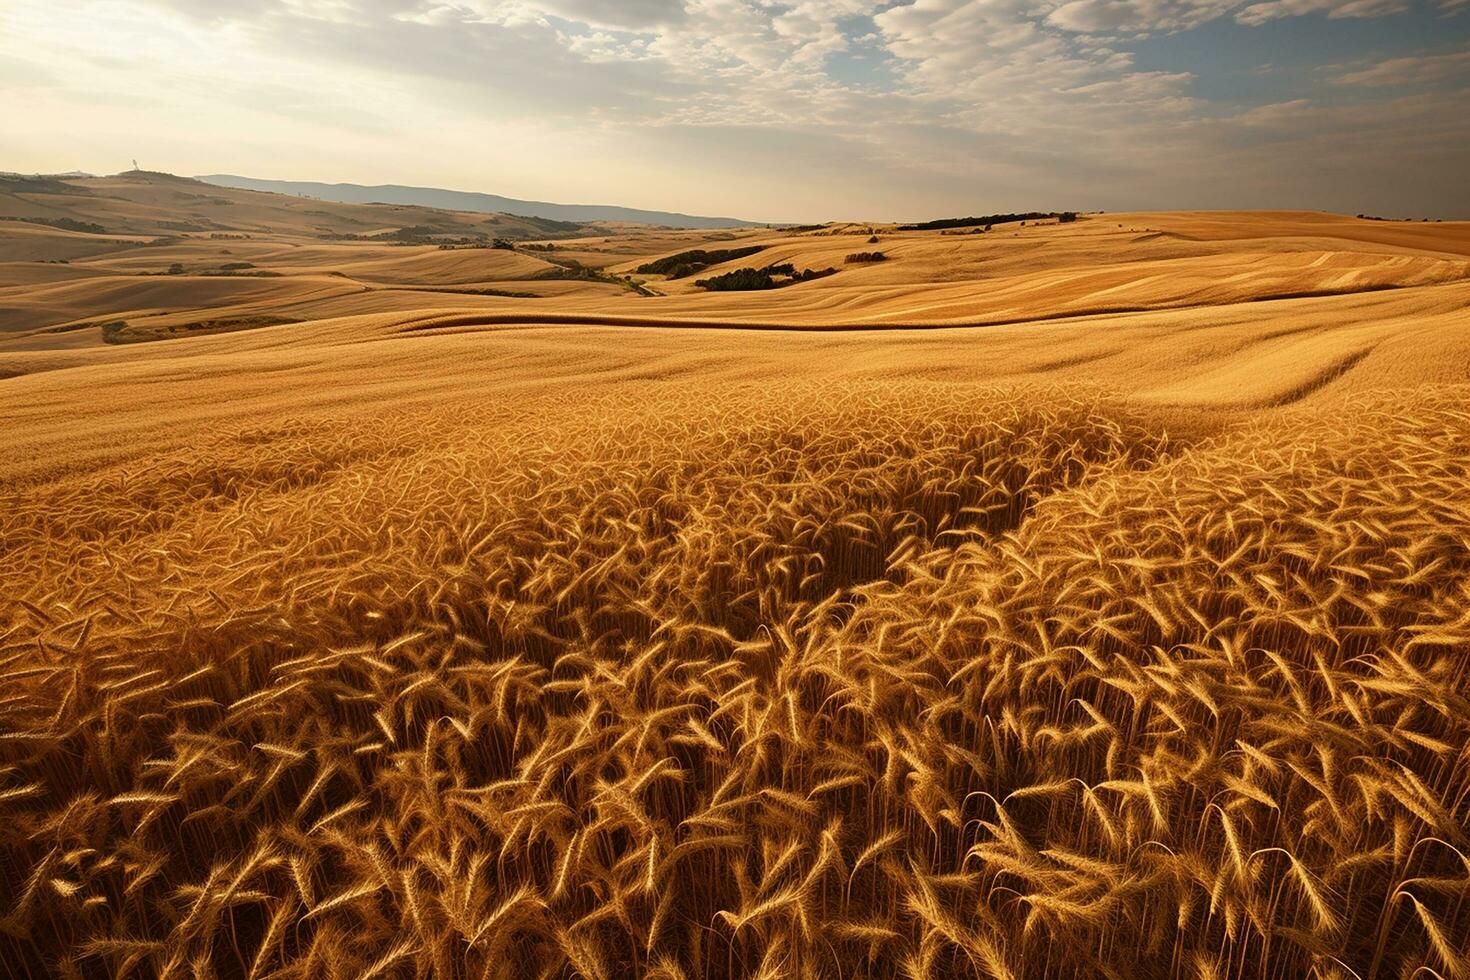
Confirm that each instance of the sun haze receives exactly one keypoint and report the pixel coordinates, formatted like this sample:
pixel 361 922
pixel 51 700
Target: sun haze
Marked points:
pixel 733 489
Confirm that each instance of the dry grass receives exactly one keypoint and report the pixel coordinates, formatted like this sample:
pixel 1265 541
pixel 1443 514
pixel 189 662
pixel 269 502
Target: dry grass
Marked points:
pixel 1100 264
pixel 599 639
pixel 791 679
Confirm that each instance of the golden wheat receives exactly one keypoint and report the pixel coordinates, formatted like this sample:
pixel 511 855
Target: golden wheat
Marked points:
pixel 797 679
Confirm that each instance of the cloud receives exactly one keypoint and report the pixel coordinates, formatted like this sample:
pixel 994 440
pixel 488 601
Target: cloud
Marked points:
pixel 1429 70
pixel 705 104
pixel 1257 14
pixel 628 15
pixel 1275 115
pixel 1136 16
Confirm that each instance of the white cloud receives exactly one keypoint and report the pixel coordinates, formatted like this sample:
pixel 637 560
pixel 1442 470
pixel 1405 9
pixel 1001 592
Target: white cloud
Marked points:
pixel 1257 14
pixel 692 104
pixel 1136 16
pixel 1412 71
pixel 618 14
pixel 1276 114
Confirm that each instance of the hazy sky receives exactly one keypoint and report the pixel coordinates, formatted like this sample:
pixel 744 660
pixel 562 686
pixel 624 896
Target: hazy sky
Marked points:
pixel 796 110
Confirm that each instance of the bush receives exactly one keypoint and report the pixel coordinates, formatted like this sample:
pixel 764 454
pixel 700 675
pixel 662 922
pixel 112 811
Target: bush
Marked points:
pixel 550 224
pixel 177 269
pixel 866 257
pixel 989 219
pixel 739 281
pixel 696 260
pixel 809 274
pixel 771 277
pixel 65 224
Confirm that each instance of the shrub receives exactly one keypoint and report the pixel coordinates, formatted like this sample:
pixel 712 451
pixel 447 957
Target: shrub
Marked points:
pixel 808 274
pixel 410 233
pixel 771 277
pixel 684 264
pixel 866 257
pixel 989 219
pixel 740 280
pixel 65 224
pixel 550 224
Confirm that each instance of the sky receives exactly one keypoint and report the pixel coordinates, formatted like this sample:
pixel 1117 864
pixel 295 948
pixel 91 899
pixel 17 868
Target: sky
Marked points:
pixel 798 110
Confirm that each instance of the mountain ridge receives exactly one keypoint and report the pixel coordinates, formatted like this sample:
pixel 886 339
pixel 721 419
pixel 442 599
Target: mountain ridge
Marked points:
pixel 347 193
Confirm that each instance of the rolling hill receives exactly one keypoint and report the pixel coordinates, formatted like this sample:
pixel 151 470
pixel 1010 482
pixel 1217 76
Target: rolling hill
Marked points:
pixel 1067 600
pixel 471 201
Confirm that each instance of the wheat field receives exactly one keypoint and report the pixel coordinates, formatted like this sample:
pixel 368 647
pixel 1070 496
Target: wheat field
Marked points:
pixel 439 644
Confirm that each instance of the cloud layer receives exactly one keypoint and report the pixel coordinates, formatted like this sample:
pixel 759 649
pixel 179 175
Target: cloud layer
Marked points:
pixel 800 109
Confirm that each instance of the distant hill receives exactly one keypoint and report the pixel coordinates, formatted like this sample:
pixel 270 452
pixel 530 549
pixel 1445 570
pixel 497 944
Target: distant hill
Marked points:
pixel 68 174
pixel 143 202
pixel 469 201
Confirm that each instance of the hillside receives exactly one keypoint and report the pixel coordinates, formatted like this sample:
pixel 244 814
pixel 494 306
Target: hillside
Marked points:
pixel 146 203
pixel 1067 600
pixel 471 201
pixel 58 286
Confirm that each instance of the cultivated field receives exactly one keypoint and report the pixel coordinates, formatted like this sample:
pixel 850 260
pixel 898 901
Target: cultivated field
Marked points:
pixel 1074 600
